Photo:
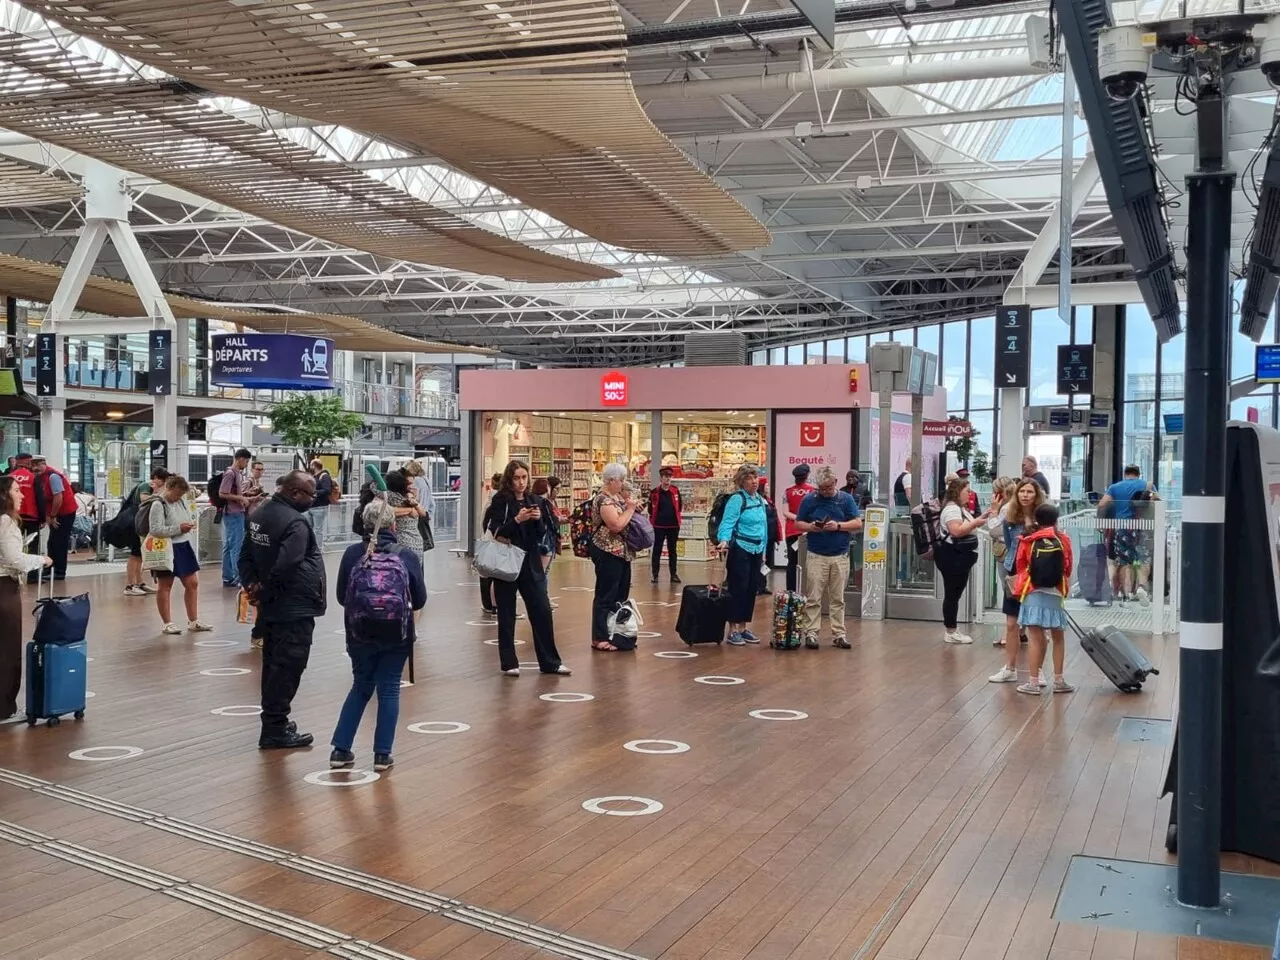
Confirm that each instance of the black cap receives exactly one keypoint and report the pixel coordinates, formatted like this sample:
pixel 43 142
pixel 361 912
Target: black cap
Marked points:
pixel 800 471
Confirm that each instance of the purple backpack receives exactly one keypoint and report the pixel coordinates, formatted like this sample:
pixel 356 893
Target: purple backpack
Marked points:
pixel 639 533
pixel 377 603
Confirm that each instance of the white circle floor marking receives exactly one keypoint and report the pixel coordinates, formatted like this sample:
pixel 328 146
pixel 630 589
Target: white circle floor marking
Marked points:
pixel 567 697
pixel 473 583
pixel 641 746
pixel 578 589
pixel 716 681
pixel 648 635
pixel 676 654
pixel 596 805
pixel 225 672
pixel 353 778
pixel 215 643
pixel 785 715
pixel 437 593
pixel 481 623
pixel 117 753
pixel 530 664
pixel 439 726
pixel 240 710
pixel 494 642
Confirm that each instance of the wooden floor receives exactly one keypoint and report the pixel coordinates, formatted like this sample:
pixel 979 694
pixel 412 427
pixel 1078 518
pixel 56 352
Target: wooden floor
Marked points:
pixel 917 812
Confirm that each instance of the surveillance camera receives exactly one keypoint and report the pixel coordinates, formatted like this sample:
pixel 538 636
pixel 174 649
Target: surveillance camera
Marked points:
pixel 1269 58
pixel 1123 62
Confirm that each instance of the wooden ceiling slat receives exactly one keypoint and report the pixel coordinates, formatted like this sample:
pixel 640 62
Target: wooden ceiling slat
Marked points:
pixel 35 280
pixel 158 130
pixel 23 186
pixel 486 85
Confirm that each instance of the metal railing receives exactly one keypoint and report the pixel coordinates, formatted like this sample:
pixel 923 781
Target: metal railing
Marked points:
pixel 1140 551
pixel 337 527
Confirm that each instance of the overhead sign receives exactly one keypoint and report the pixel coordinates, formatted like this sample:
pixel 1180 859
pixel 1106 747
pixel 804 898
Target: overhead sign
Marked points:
pixel 813 433
pixel 1013 346
pixel 1266 363
pixel 614 389
pixel 951 429
pixel 1060 418
pixel 46 364
pixel 160 367
pixel 159 453
pixel 272 361
pixel 1075 369
pixel 197 429
pixel 1174 423
pixel 816 439
pixel 821 15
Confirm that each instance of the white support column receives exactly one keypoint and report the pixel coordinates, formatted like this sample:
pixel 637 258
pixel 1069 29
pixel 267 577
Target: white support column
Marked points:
pixel 107 205
pixel 1012 442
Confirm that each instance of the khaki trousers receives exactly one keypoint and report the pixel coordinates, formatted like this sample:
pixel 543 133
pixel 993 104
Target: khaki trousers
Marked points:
pixel 825 577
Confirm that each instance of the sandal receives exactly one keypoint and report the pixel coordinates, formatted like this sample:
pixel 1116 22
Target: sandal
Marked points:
pixel 603 645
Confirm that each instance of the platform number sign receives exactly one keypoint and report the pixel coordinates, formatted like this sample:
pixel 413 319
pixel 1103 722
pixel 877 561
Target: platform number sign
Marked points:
pixel 159 453
pixel 46 364
pixel 1075 369
pixel 1013 346
pixel 160 350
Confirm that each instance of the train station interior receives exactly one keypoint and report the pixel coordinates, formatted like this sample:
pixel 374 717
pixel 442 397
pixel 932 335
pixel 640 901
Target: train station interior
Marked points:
pixel 640 480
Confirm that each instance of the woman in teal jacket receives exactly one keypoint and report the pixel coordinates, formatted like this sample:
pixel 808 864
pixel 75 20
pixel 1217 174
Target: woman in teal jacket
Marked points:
pixel 743 534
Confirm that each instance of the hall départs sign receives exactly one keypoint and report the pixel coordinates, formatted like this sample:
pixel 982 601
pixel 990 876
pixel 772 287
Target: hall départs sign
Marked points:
pixel 816 439
pixel 951 429
pixel 274 361
pixel 615 389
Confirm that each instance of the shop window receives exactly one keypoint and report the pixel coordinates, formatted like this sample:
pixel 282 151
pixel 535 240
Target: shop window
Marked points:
pixel 955 345
pixel 982 363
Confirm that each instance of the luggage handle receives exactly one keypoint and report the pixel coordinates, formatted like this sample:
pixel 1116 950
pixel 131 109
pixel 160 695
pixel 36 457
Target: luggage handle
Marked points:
pixel 42 538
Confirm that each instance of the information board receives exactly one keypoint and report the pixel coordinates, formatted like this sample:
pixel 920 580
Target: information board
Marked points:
pixel 1013 346
pixel 46 364
pixel 160 362
pixel 1266 363
pixel 1075 369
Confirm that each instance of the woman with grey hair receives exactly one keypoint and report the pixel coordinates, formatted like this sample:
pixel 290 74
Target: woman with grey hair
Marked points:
pixel 742 535
pixel 379 586
pixel 611 511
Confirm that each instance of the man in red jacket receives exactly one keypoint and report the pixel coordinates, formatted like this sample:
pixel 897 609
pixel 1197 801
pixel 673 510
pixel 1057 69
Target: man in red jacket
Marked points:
pixel 664 514
pixel 57 506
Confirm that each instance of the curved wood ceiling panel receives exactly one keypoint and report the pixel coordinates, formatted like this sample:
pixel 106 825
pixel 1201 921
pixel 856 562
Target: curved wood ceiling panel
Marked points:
pixel 37 280
pixel 526 95
pixel 24 186
pixel 159 130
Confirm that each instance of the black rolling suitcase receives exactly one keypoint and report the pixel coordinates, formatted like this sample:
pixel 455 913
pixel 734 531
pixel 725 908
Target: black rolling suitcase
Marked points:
pixel 702 616
pixel 1116 656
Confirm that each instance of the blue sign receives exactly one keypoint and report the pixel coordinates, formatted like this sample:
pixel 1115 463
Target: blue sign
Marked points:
pixel 1266 363
pixel 273 361
pixel 1173 423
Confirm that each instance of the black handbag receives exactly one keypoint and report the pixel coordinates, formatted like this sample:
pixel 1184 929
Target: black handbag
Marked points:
pixel 424 530
pixel 956 555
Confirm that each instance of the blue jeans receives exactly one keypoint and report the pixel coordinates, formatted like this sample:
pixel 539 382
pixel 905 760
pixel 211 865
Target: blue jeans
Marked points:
pixel 232 541
pixel 372 668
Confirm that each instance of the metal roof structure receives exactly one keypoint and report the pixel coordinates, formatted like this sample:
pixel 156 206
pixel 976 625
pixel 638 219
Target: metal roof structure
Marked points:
pixel 903 178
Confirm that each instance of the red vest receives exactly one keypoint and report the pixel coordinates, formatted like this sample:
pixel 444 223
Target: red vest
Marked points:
pixel 25 480
pixel 69 505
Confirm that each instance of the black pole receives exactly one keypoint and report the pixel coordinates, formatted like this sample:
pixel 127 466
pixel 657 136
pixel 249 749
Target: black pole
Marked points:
pixel 1203 504
pixel 11 326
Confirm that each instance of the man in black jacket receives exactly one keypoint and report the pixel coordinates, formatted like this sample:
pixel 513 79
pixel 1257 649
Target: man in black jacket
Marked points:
pixel 282 567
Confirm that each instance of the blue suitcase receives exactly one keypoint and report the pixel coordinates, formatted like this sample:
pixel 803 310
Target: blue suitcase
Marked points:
pixel 56 681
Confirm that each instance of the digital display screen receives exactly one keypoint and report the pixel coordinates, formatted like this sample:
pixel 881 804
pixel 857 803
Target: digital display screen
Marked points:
pixel 1266 363
pixel 10 382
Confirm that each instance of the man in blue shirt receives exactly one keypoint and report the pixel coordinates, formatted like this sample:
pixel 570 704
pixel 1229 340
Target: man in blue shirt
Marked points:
pixel 1129 555
pixel 827 517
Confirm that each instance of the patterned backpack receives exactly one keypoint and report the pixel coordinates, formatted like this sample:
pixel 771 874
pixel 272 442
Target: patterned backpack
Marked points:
pixel 377 605
pixel 582 528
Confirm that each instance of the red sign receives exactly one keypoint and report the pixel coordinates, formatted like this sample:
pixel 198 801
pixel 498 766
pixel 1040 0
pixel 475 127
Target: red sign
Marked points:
pixel 951 429
pixel 813 433
pixel 853 379
pixel 614 389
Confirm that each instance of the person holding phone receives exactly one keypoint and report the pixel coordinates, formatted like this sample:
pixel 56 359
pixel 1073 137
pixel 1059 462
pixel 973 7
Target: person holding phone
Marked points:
pixel 516 517
pixel 171 517
pixel 828 518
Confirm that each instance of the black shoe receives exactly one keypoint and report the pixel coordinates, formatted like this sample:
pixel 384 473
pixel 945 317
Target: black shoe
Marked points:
pixel 382 761
pixel 289 740
pixel 675 578
pixel 1022 638
pixel 654 578
pixel 341 758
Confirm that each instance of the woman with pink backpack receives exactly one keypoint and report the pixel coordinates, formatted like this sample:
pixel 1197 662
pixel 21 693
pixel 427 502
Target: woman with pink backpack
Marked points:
pixel 379 586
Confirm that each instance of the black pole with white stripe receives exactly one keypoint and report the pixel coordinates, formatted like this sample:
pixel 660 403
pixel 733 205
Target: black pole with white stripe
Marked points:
pixel 1203 505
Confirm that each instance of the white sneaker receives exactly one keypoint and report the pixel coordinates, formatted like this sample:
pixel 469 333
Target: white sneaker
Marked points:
pixel 1143 598
pixel 1004 676
pixel 1040 680
pixel 513 672
pixel 146 588
pixel 255 642
pixel 198 626
pixel 134 590
pixel 956 638
pixel 172 629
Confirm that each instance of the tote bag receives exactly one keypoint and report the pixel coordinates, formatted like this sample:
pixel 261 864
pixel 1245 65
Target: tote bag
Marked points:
pixel 157 553
pixel 498 561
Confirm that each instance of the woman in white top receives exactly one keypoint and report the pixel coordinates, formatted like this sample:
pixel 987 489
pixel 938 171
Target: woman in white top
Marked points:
pixel 171 518
pixel 15 564
pixel 956 554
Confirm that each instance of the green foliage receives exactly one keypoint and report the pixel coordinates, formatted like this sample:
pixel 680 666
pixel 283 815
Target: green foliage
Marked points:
pixel 313 421
pixel 967 452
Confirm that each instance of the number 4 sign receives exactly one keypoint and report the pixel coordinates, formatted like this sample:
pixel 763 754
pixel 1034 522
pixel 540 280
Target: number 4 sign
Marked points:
pixel 1013 346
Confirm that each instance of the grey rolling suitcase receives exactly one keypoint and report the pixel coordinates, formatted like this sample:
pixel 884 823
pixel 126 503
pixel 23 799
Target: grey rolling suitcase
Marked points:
pixel 1116 656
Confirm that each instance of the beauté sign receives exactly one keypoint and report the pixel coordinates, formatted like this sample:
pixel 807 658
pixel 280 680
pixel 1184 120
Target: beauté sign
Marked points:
pixel 274 361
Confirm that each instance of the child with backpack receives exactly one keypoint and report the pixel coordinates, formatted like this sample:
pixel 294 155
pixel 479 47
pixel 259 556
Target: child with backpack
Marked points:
pixel 1042 578
pixel 379 587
